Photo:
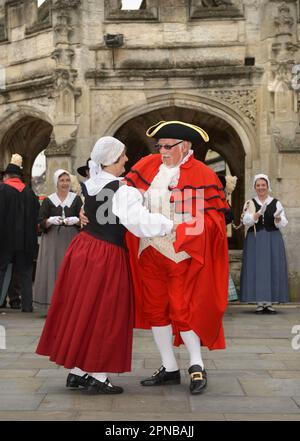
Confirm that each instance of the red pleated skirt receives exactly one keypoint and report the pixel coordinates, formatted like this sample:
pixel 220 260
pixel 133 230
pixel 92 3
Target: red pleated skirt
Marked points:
pixel 90 320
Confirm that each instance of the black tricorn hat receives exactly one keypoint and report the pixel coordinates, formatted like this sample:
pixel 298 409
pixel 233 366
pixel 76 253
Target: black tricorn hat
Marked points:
pixel 82 171
pixel 178 130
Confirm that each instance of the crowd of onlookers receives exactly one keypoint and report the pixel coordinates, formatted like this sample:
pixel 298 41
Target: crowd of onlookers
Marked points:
pixel 24 223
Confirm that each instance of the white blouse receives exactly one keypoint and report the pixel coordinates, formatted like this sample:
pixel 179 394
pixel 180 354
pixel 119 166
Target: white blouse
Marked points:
pixel 249 221
pixel 127 205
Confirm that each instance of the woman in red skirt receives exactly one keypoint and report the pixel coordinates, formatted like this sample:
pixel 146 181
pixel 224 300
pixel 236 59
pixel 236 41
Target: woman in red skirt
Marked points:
pixel 90 321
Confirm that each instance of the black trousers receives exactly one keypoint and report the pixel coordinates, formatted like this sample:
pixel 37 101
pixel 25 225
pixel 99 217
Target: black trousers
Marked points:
pixel 22 267
pixel 14 292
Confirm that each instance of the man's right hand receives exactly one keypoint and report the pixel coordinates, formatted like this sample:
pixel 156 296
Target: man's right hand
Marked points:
pixel 83 219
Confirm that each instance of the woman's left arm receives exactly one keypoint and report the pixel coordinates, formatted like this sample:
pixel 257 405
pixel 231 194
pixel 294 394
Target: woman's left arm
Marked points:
pixel 280 219
pixel 127 205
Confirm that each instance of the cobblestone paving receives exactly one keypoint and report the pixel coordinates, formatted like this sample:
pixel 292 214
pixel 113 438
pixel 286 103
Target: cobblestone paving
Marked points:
pixel 256 378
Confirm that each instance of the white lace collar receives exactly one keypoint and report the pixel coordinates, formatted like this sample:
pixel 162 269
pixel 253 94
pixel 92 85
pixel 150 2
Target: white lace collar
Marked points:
pixel 94 185
pixel 187 157
pixel 268 200
pixel 66 203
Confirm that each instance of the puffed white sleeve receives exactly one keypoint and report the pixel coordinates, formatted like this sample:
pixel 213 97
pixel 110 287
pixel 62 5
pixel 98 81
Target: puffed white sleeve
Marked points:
pixel 127 205
pixel 248 219
pixel 283 222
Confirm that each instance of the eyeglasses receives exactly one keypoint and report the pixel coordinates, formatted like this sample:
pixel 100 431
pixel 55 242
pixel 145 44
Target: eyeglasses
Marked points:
pixel 166 146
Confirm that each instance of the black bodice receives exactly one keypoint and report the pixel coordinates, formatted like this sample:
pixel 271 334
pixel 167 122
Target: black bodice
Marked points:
pixel 267 220
pixel 103 224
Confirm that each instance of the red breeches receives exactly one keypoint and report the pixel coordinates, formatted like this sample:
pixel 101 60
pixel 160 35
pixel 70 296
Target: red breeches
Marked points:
pixel 163 289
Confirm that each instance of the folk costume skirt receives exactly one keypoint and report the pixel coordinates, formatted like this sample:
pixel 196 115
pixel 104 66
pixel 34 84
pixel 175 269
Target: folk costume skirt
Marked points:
pixel 53 247
pixel 90 320
pixel 264 275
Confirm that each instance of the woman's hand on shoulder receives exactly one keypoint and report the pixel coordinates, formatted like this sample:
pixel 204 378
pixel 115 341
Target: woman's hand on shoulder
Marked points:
pixel 83 219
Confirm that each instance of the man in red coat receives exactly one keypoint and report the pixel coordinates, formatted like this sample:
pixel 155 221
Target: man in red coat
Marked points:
pixel 181 280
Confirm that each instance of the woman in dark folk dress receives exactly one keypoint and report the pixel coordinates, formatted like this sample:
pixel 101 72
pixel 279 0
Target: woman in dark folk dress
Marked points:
pixel 264 278
pixel 59 222
pixel 90 322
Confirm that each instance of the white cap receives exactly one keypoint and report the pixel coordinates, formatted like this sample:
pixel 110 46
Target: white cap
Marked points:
pixel 262 176
pixel 58 174
pixel 106 151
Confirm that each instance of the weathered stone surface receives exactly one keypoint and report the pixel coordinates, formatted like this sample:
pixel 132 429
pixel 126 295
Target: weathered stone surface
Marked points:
pixel 271 387
pixel 228 65
pixel 20 415
pixel 261 384
pixel 244 405
pixel 262 417
pixel 20 401
pixel 75 401
pixel 148 416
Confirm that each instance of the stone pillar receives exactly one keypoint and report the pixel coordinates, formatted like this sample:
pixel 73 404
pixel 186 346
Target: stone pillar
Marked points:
pixel 284 120
pixel 65 91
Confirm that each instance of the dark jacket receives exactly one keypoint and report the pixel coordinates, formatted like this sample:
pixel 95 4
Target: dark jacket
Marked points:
pixel 18 220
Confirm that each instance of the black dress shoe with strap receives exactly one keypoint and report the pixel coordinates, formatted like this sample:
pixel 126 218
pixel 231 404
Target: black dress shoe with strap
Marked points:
pixel 75 381
pixel 198 379
pixel 162 377
pixel 95 387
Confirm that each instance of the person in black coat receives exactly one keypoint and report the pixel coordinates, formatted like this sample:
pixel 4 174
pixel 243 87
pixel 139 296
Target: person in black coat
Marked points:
pixel 19 208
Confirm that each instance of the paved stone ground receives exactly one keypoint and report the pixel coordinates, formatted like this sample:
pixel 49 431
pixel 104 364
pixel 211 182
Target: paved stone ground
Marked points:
pixel 256 378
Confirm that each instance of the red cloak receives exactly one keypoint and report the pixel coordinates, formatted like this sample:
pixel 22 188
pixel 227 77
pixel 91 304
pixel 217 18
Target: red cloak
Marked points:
pixel 206 284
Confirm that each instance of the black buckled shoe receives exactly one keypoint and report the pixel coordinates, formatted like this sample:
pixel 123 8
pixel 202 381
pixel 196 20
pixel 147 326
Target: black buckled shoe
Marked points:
pixel 75 381
pixel 162 377
pixel 95 387
pixel 198 379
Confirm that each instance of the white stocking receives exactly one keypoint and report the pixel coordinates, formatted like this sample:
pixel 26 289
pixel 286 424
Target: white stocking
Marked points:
pixel 77 371
pixel 100 376
pixel 164 341
pixel 193 344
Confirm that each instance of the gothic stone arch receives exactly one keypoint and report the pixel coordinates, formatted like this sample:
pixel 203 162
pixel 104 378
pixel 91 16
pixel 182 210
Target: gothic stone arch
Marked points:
pixel 25 131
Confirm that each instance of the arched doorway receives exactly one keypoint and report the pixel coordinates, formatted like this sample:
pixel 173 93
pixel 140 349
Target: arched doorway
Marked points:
pixel 223 139
pixel 28 136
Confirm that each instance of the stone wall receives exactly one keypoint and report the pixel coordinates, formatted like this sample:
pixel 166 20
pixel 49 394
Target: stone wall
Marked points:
pixel 85 68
